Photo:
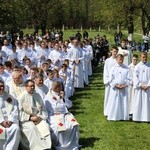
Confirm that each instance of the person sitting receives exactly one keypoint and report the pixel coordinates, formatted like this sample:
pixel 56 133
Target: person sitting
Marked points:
pixel 48 82
pixel 40 87
pixel 35 131
pixel 65 128
pixel 16 84
pixel 9 128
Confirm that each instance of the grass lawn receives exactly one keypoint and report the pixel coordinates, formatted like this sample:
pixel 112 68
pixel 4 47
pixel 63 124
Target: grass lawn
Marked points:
pixel 92 34
pixel 96 133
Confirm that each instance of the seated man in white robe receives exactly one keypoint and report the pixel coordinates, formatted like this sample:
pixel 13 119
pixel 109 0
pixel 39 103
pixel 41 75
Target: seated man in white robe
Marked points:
pixel 35 131
pixel 16 85
pixel 32 73
pixel 119 80
pixel 63 73
pixel 40 88
pixel 56 56
pixel 65 132
pixel 48 82
pixel 6 48
pixel 4 76
pixel 9 128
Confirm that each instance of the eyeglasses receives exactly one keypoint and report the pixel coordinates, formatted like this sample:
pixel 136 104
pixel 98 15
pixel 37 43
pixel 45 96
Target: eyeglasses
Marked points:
pixel 31 85
pixel 17 78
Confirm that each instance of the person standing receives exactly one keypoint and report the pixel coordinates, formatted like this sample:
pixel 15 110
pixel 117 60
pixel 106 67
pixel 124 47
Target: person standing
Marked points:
pixel 146 39
pixel 75 56
pixel 126 52
pixel 78 35
pixel 119 80
pixel 85 35
pixel 131 90
pixel 141 83
pixel 109 63
pixel 89 50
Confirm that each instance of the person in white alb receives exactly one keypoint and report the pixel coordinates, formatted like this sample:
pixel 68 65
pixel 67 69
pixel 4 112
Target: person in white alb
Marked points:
pixel 65 128
pixel 40 87
pixel 16 85
pixel 75 57
pixel 119 80
pixel 126 52
pixel 131 90
pixel 56 56
pixel 109 63
pixel 141 83
pixel 9 122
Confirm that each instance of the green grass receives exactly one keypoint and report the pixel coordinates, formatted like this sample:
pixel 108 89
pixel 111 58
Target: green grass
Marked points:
pixel 92 34
pixel 96 133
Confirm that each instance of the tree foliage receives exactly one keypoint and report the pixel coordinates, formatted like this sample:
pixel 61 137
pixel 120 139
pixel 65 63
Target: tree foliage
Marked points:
pixel 76 13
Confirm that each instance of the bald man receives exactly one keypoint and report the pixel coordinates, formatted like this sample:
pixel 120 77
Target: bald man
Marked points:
pixel 16 85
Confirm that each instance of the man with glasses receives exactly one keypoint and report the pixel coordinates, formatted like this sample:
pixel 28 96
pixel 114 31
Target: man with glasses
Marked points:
pixel 35 131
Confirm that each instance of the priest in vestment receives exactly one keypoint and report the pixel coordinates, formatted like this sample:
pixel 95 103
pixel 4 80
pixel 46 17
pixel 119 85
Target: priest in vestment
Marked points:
pixel 35 132
pixel 9 123
pixel 141 83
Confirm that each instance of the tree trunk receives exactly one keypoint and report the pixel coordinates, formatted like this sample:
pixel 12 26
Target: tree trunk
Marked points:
pixel 143 21
pixel 130 20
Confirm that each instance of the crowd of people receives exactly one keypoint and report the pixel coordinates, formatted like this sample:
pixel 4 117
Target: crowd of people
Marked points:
pixel 127 85
pixel 38 75
pixel 37 78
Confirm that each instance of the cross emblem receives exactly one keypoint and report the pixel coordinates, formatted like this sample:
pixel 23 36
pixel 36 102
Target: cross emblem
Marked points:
pixel 1 131
pixel 60 124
